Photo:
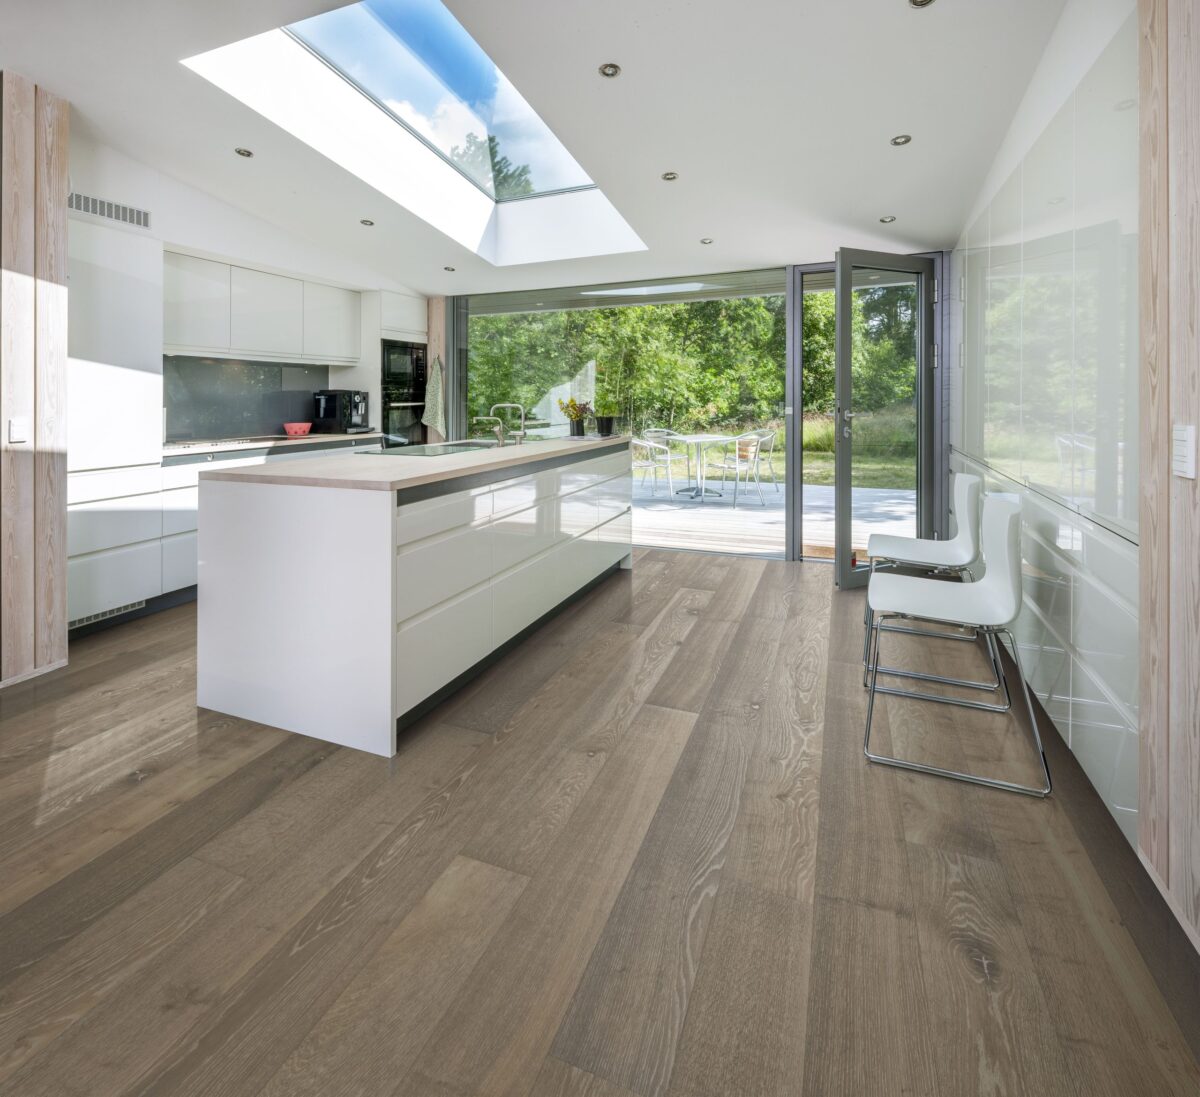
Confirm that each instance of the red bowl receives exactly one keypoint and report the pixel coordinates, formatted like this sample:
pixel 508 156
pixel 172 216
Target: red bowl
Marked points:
pixel 296 430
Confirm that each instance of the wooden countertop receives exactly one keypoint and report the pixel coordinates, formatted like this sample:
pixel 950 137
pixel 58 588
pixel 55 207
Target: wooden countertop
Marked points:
pixel 384 472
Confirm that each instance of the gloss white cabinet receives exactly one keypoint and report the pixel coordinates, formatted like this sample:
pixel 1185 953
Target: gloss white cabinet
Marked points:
pixel 403 314
pixel 195 302
pixel 332 322
pixel 266 313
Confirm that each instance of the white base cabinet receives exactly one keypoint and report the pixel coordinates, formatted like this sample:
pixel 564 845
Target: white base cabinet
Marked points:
pixel 346 630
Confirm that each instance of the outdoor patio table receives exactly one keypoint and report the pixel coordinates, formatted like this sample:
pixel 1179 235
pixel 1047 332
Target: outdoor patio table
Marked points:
pixel 700 441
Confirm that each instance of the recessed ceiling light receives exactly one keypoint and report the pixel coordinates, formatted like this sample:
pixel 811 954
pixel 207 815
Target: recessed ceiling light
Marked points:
pixel 450 269
pixel 366 221
pixel 243 152
pixel 902 139
pixel 1125 104
pixel 887 220
pixel 706 239
pixel 610 69
pixel 919 3
pixel 670 176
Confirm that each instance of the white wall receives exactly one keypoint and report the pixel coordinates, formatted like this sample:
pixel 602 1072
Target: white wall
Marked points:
pixel 1044 384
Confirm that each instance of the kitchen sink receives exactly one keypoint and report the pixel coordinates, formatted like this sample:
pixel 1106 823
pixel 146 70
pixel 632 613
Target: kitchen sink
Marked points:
pixel 435 449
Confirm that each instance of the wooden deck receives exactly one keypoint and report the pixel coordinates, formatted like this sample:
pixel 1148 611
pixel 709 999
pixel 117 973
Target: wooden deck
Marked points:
pixel 754 528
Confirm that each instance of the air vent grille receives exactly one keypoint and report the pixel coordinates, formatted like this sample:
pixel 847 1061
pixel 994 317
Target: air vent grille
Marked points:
pixel 114 211
pixel 93 618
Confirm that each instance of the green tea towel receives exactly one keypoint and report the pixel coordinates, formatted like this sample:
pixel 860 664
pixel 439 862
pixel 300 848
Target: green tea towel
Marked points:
pixel 434 416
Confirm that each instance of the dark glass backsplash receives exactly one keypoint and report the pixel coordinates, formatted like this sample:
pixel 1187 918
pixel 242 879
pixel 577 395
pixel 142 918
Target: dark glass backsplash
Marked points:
pixel 218 398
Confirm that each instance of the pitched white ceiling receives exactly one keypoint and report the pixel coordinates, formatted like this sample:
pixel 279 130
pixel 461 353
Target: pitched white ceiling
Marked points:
pixel 776 114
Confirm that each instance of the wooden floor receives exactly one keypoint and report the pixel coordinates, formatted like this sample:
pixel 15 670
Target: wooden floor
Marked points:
pixel 642 855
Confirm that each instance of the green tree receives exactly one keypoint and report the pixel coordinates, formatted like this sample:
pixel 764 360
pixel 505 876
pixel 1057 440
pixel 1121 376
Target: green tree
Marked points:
pixel 482 160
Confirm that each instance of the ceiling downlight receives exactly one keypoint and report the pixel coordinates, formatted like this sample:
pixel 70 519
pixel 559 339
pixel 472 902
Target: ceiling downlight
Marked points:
pixel 887 219
pixel 610 69
pixel 247 153
pixel 902 139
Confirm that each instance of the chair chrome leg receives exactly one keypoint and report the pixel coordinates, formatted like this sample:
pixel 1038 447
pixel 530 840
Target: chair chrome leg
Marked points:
pixel 951 774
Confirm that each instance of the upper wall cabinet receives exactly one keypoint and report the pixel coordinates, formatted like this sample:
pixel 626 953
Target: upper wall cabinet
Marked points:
pixel 195 302
pixel 332 320
pixel 235 312
pixel 266 313
pixel 400 312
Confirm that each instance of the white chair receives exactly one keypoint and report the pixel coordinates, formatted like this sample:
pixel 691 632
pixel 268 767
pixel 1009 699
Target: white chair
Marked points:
pixel 740 457
pixel 767 453
pixel 989 606
pixel 952 556
pixel 652 457
pixel 669 438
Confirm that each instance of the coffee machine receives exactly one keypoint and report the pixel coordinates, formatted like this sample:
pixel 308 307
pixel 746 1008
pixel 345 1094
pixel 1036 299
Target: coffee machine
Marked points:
pixel 340 411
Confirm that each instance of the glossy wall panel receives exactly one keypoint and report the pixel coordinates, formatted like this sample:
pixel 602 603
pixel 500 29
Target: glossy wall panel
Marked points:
pixel 1044 403
pixel 1046 385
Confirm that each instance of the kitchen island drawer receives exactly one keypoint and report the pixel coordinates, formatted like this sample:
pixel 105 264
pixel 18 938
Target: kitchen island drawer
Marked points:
pixel 433 570
pixel 435 648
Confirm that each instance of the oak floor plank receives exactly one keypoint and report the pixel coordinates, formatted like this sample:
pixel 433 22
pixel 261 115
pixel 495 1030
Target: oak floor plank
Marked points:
pixel 110 1050
pixel 372 1033
pixel 494 1038
pixel 1115 1029
pixel 349 782
pixel 986 1007
pixel 51 996
pixel 150 791
pixel 870 1035
pixel 747 1013
pixel 120 696
pixel 559 1079
pixel 626 1016
pixel 56 914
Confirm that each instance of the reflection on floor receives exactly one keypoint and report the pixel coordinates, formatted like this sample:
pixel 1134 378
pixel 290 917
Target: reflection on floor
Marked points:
pixel 642 855
pixel 758 528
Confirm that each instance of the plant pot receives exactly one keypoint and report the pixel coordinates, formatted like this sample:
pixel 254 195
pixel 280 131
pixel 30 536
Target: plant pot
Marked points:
pixel 604 425
pixel 577 426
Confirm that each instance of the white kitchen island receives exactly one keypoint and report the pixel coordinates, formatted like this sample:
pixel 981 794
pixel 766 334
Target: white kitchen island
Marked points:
pixel 342 597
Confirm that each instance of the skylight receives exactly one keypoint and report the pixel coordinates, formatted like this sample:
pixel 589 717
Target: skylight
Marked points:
pixel 417 62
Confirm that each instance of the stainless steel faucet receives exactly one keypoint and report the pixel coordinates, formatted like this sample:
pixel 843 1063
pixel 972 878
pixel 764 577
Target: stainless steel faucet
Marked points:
pixel 519 434
pixel 497 430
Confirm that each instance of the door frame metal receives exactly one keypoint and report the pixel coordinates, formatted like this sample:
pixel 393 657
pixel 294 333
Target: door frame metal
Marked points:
pixel 925 269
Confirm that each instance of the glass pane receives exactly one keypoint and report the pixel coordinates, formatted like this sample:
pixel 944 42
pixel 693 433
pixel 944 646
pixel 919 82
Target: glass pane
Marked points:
pixel 884 405
pixel 416 61
pixel 699 384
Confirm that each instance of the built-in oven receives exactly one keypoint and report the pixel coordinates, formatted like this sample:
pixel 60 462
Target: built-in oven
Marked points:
pixel 405 374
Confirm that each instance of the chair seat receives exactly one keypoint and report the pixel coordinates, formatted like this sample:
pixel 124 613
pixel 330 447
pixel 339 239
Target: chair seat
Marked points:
pixel 938 600
pixel 917 550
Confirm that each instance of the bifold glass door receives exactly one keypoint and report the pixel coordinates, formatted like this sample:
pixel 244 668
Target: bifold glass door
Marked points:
pixel 883 416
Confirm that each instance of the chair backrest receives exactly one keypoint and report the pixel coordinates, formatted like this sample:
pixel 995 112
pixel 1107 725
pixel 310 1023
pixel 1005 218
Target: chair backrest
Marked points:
pixel 652 449
pixel 1001 538
pixel 660 432
pixel 766 439
pixel 747 445
pixel 967 491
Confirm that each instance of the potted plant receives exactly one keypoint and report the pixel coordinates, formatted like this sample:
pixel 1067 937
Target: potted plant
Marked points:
pixel 606 413
pixel 577 414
